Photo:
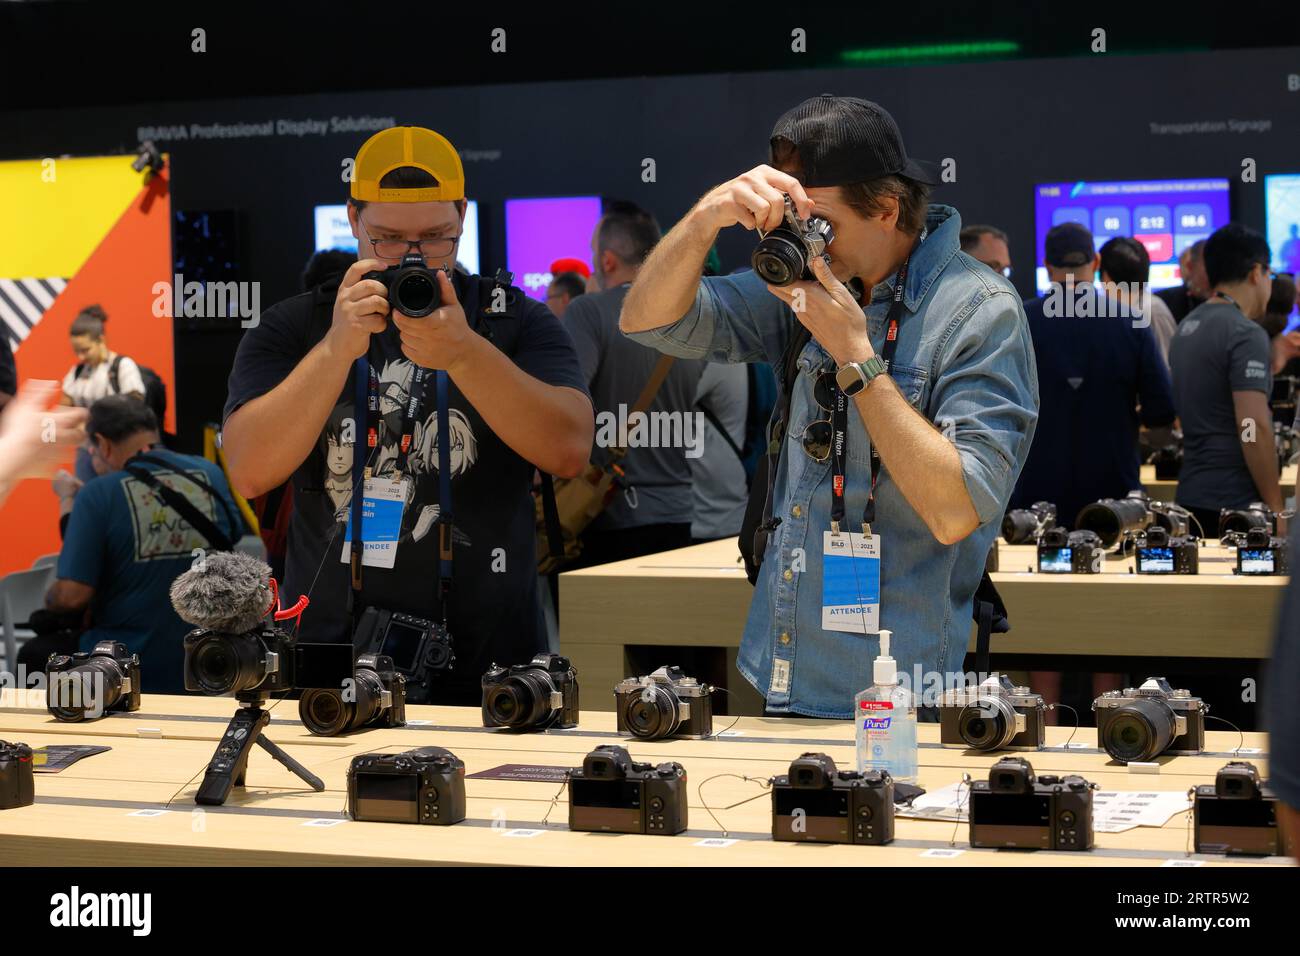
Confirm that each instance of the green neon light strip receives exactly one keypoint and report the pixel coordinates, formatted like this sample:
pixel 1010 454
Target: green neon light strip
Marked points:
pixel 933 51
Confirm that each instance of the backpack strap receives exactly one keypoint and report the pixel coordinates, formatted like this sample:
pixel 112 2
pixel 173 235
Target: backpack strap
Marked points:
pixel 717 425
pixel 112 374
pixel 200 522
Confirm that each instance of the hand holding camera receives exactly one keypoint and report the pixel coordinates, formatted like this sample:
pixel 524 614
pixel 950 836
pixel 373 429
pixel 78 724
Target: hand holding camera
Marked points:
pixel 754 199
pixel 360 309
pixel 435 333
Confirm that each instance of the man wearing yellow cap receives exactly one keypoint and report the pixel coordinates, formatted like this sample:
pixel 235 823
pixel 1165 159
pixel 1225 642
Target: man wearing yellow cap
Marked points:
pixel 448 415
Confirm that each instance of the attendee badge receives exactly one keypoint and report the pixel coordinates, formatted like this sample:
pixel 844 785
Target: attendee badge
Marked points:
pixel 851 582
pixel 382 503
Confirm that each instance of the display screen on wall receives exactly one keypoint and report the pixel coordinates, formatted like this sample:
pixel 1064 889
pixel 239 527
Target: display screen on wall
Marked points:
pixel 1165 215
pixel 333 232
pixel 539 231
pixel 1282 207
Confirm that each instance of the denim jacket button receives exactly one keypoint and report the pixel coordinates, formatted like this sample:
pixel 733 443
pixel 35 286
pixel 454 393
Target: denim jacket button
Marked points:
pixel 796 511
pixel 789 575
pixel 785 637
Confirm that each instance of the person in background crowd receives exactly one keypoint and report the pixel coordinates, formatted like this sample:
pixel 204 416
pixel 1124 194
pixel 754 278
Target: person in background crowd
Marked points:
pixel 326 265
pixel 34 438
pixel 654 509
pixel 1125 270
pixel 99 372
pixel 126 541
pixel 1282 707
pixel 719 485
pixel 989 245
pixel 1194 290
pixel 572 264
pixel 564 288
pixel 1100 375
pixel 1282 324
pixel 8 371
pixel 1221 361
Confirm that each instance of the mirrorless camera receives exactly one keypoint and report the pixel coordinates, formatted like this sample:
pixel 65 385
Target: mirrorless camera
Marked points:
pixel 1160 553
pixel 1168 462
pixel 1070 552
pixel 995 715
pixel 17 781
pixel 412 286
pixel 375 698
pixel 534 696
pixel 265 660
pixel 816 803
pixel 420 648
pixel 612 793
pixel 90 684
pixel 1139 724
pixel 1115 520
pixel 1015 809
pixel 785 254
pixel 1240 520
pixel 1237 814
pixel 665 703
pixel 1259 551
pixel 426 786
pixel 1026 525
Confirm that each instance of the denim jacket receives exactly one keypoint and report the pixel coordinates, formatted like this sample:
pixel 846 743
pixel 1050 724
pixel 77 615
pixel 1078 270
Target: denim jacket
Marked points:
pixel 965 360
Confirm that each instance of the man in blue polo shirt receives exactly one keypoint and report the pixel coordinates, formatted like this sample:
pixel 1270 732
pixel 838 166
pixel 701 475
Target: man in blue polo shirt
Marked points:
pixel 1099 373
pixel 126 542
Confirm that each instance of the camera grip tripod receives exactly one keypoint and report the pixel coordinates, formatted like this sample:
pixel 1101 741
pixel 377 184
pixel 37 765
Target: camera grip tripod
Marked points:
pixel 229 765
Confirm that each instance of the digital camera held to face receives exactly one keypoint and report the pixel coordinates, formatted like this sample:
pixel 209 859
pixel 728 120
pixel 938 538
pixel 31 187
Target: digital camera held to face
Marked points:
pixel 663 704
pixel 784 255
pixel 17 780
pixel 816 803
pixel 412 286
pixel 1158 552
pixel 375 698
pixel 1238 814
pixel 1026 525
pixel 1070 552
pixel 425 786
pixel 421 649
pixel 612 793
pixel 89 684
pixel 1139 724
pixel 995 715
pixel 1013 808
pixel 535 696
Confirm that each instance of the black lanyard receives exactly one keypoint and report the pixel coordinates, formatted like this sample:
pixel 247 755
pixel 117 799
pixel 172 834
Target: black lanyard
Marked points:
pixel 840 416
pixel 367 396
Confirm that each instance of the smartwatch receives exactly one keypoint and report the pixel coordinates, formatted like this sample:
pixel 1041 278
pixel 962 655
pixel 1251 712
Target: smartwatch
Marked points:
pixel 855 376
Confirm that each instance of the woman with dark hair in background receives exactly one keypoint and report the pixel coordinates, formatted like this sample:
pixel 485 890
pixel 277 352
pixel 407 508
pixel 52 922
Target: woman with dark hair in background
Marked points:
pixel 99 372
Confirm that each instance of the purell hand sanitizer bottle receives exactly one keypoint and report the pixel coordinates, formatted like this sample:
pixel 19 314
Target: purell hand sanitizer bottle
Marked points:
pixel 886 721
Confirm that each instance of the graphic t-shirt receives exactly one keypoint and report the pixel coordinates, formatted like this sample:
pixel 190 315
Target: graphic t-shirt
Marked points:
pixel 493 614
pixel 129 545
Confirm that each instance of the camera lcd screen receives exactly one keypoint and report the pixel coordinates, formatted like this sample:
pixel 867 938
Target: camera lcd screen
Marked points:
pixel 327 666
pixel 386 798
pixel 1056 560
pixel 607 794
pixel 402 643
pixel 1155 560
pixel 813 803
pixel 1255 560
pixel 1218 812
pixel 1010 809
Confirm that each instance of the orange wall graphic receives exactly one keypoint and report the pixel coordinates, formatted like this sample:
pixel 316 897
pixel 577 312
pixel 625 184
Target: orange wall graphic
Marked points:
pixel 105 231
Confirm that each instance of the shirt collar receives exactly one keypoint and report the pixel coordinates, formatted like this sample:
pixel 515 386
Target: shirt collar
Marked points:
pixel 943 226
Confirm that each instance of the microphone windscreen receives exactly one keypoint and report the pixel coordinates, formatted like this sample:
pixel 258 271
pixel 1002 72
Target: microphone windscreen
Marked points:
pixel 225 591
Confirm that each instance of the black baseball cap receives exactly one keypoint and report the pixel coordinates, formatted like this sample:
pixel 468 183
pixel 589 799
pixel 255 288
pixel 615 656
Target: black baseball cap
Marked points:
pixel 1068 244
pixel 845 139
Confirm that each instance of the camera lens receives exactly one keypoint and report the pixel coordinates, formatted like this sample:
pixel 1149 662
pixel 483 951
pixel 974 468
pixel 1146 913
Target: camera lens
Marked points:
pixel 521 700
pixel 779 258
pixel 987 724
pixel 1111 520
pixel 1018 527
pixel 653 713
pixel 1140 730
pixel 89 689
pixel 415 293
pixel 325 713
pixel 225 664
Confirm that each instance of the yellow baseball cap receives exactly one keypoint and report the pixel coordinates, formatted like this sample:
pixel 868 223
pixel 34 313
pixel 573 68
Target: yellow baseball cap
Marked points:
pixel 407 146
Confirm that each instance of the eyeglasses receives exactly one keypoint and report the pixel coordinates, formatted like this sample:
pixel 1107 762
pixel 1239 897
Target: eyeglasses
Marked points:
pixel 818 436
pixel 397 248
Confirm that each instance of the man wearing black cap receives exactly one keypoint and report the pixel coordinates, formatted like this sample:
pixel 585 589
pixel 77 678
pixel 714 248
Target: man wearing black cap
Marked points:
pixel 1098 364
pixel 934 393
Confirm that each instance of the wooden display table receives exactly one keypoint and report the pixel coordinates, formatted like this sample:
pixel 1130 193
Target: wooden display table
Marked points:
pixel 105 808
pixel 699 597
pixel 1164 490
